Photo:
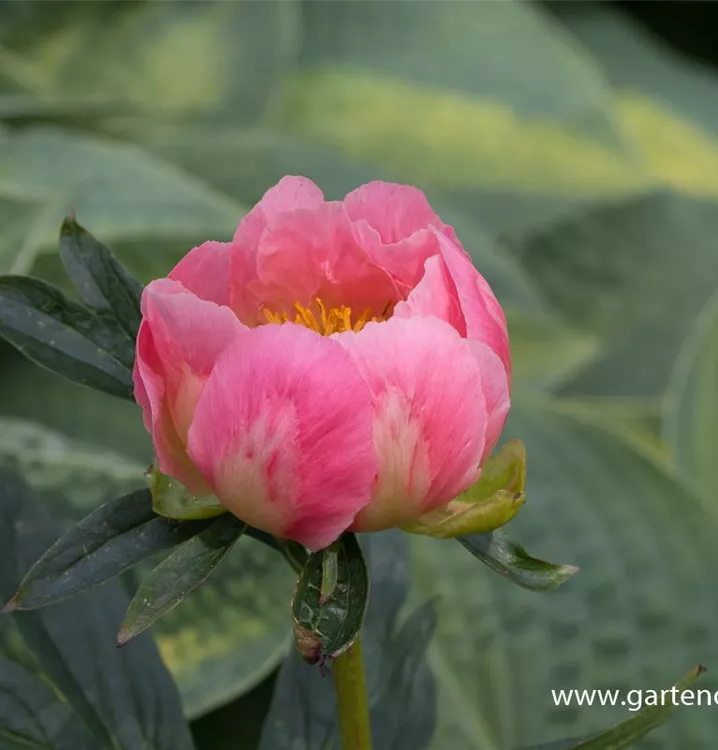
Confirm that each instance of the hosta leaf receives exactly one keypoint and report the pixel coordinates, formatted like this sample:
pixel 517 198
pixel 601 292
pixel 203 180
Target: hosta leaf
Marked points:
pixel 100 280
pixel 122 192
pixel 144 72
pixel 602 503
pixel 179 574
pixel 691 404
pixel 59 667
pixel 65 337
pixel 521 122
pixel 328 615
pixel 55 465
pixel 616 272
pixel 512 561
pixel 116 536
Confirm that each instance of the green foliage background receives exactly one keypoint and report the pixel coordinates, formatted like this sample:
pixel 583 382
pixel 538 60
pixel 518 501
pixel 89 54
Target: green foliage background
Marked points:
pixel 577 158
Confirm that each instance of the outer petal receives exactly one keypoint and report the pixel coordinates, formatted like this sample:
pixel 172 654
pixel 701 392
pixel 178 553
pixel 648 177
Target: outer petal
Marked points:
pixel 429 416
pixel 205 271
pixel 496 387
pixel 180 339
pixel 313 253
pixel 484 319
pixel 283 433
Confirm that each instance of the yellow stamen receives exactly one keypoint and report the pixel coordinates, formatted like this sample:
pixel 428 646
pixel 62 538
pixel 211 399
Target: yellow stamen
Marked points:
pixel 325 320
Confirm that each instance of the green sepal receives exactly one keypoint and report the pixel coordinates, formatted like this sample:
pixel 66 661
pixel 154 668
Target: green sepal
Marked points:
pixel 171 499
pixel 487 505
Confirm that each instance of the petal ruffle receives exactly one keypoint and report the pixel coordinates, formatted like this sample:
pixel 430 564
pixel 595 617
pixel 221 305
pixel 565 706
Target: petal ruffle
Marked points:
pixel 392 223
pixel 283 434
pixel 307 254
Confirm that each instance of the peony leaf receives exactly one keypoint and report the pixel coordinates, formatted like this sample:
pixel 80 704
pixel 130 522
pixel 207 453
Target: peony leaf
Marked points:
pixel 100 279
pixel 63 336
pixel 179 574
pixel 328 614
pixel 512 561
pixel 401 687
pixel 112 539
pixel 64 683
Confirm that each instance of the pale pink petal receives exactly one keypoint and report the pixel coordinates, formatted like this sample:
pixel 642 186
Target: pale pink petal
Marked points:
pixel 205 271
pixel 283 433
pixel 180 339
pixel 484 318
pixel 313 253
pixel 429 415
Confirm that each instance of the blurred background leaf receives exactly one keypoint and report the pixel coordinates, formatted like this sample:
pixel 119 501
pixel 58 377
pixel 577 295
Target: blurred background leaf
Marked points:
pixel 576 154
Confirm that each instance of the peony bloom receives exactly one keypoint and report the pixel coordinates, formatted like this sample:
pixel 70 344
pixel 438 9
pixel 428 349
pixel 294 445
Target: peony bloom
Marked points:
pixel 337 365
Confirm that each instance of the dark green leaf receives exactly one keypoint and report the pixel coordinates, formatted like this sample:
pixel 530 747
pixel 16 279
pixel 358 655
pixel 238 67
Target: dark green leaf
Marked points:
pixel 326 622
pixel 118 535
pixel 177 576
pixel 402 690
pixel 64 336
pixel 99 278
pixel 63 683
pixel 512 561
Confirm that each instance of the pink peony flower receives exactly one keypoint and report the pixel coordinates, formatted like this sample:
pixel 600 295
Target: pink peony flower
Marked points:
pixel 337 365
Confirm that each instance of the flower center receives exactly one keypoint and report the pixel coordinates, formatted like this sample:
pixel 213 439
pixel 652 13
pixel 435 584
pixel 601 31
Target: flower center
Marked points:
pixel 326 320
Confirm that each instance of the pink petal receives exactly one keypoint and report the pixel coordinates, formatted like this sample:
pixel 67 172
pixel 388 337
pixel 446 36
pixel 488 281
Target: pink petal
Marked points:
pixel 394 211
pixel 434 296
pixel 496 387
pixel 289 194
pixel 205 271
pixel 283 433
pixel 313 253
pixel 485 320
pixel 180 339
pixel 429 415
pixel 392 223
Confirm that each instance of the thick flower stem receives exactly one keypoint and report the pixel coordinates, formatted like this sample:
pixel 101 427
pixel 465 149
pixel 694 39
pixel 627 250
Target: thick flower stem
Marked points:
pixel 352 700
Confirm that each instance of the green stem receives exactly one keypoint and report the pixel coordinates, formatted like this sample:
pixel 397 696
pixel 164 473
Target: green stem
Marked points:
pixel 352 700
